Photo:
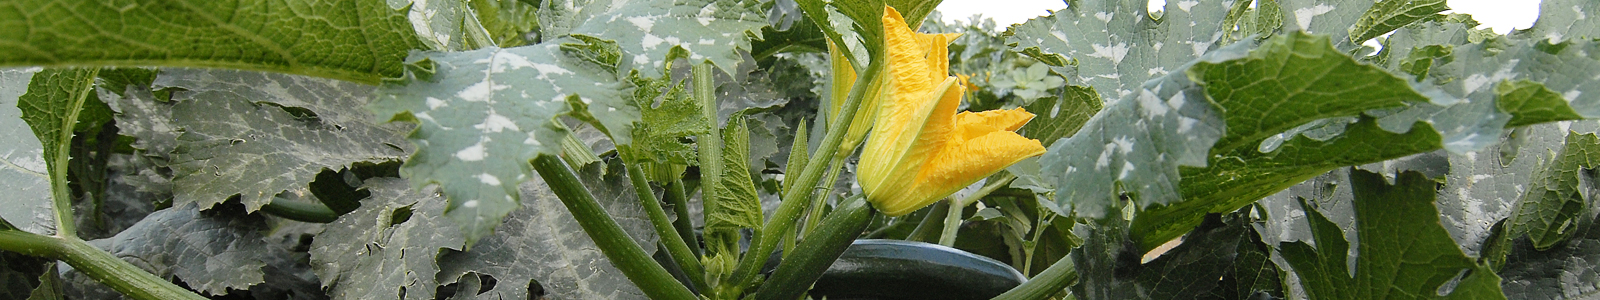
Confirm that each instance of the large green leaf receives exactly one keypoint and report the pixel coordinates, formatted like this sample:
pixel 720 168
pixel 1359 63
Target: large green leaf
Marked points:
pixel 510 23
pixel 1404 252
pixel 485 113
pixel 1388 15
pixel 353 40
pixel 22 166
pixel 258 134
pixel 388 248
pixel 543 244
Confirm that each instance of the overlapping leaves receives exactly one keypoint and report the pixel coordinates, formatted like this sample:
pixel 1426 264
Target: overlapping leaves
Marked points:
pixel 22 164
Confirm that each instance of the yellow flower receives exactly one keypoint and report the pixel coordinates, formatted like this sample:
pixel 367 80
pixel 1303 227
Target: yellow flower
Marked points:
pixel 920 150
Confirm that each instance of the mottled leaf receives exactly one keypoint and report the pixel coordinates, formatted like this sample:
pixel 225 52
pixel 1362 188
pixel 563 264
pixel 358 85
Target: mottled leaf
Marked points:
pixel 256 135
pixel 1566 271
pixel 485 113
pixel 387 248
pixel 23 172
pixel 645 31
pixel 1117 46
pixel 1561 20
pixel 211 251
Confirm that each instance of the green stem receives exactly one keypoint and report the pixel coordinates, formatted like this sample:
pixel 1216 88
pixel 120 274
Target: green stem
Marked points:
pixel 623 252
pixel 103 267
pixel 930 222
pixel 1038 230
pixel 818 203
pixel 795 200
pixel 680 206
pixel 952 219
pixel 300 211
pixel 818 251
pixel 676 248
pixel 61 191
pixel 1057 277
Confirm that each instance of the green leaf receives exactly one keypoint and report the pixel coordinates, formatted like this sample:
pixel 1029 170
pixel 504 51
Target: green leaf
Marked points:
pixel 1388 15
pixel 23 172
pixel 1223 256
pixel 737 204
pixel 669 115
pixel 1548 213
pixel 388 247
pixel 491 111
pixel 542 243
pixel 509 22
pixel 1404 252
pixel 1562 272
pixel 1535 103
pixel 258 134
pixel 360 41
pixel 1117 46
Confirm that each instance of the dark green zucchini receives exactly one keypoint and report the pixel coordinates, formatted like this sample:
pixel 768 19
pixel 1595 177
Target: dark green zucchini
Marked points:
pixel 895 269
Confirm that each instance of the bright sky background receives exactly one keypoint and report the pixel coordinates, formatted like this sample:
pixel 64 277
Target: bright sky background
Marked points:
pixel 1501 15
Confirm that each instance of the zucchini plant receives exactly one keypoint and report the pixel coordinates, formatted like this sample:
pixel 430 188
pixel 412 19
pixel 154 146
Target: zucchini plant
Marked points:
pixel 728 149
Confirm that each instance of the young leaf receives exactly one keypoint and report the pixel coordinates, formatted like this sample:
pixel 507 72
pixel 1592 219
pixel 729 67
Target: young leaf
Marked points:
pixel 387 247
pixel 1388 15
pixel 737 204
pixel 22 166
pixel 249 134
pixel 541 243
pixel 55 101
pixel 509 22
pixel 1404 251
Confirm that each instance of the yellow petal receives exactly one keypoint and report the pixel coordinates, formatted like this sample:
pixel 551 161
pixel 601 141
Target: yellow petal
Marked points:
pixel 974 124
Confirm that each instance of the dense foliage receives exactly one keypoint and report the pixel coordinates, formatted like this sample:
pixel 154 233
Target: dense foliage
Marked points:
pixel 598 149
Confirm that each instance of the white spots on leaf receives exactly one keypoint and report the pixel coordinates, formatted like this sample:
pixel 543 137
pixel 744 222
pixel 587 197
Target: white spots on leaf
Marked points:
pixel 652 41
pixel 480 92
pixel 488 179
pixel 1103 16
pixel 705 21
pixel 1571 95
pixel 1127 167
pixel 643 22
pixel 707 14
pixel 1055 110
pixel 1477 81
pixel 1187 4
pixel 641 59
pixel 546 69
pixel 501 61
pixel 476 152
pixel 1579 10
pixel 1113 53
pixel 435 103
pixel 496 123
pixel 1152 105
pixel 1124 144
pixel 470 204
pixel 1186 124
pixel 1303 16
pixel 707 42
pixel 1104 161
pixel 1156 71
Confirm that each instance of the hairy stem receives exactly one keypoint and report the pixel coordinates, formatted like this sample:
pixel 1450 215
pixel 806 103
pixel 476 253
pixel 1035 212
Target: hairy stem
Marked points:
pixel 98 264
pixel 675 246
pixel 680 206
pixel 623 252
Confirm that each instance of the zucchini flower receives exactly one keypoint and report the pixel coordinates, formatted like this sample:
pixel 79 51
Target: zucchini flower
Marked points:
pixel 920 150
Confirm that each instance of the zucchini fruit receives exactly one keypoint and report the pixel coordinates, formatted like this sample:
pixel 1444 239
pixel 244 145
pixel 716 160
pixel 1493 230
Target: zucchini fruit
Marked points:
pixel 896 269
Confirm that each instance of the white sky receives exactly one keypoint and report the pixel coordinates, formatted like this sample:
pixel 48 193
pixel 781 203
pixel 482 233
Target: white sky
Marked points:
pixel 1501 15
